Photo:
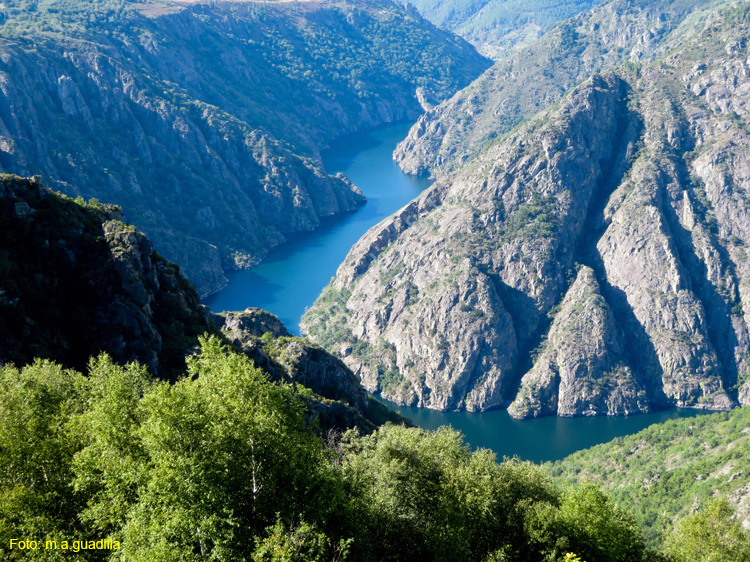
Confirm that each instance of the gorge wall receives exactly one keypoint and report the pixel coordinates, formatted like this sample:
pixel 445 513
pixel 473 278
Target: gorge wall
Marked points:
pixel 591 261
pixel 204 121
pixel 75 281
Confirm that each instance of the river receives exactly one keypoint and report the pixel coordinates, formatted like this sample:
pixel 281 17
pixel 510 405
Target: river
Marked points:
pixel 292 276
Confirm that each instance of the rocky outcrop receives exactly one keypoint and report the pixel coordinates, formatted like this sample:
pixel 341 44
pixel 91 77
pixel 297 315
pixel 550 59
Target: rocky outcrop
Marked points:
pixel 76 281
pixel 581 368
pixel 519 86
pixel 291 359
pixel 340 401
pixel 205 121
pixel 468 298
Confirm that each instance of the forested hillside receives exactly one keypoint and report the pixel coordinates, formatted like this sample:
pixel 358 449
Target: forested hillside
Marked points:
pixel 203 120
pixel 222 466
pixel 664 472
pixel 591 261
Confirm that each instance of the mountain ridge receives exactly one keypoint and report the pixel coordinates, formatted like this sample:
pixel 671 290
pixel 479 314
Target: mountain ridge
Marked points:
pixel 635 181
pixel 498 28
pixel 521 85
pixel 219 111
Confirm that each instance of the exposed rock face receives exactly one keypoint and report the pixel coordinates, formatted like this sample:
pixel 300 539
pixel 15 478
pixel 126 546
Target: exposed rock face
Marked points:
pixel 582 367
pixel 205 122
pixel 457 284
pixel 291 359
pixel 526 82
pixel 75 281
pixel 640 176
pixel 241 327
pixel 498 27
pixel 341 402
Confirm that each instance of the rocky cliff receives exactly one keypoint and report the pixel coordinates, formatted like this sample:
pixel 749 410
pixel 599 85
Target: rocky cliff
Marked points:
pixel 591 261
pixel 497 28
pixel 581 367
pixel 75 281
pixel 204 120
pixel 339 399
pixel 526 82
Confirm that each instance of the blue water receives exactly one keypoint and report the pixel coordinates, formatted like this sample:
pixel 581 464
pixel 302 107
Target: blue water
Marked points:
pixel 293 275
pixel 539 440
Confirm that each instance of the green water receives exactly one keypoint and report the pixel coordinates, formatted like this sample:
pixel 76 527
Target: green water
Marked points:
pixel 293 275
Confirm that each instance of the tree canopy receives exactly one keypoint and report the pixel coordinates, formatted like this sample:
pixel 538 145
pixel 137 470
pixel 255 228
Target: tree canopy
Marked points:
pixel 225 465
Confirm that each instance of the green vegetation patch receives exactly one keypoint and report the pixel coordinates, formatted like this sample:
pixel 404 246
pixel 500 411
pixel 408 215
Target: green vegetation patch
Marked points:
pixel 659 472
pixel 224 465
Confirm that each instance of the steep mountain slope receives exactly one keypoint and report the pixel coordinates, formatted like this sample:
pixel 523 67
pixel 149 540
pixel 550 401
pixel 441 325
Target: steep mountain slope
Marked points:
pixel 499 27
pixel 75 281
pixel 596 254
pixel 661 472
pixel 204 120
pixel 528 81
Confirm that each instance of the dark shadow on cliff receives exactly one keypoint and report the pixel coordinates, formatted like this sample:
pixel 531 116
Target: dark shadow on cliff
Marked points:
pixel 718 310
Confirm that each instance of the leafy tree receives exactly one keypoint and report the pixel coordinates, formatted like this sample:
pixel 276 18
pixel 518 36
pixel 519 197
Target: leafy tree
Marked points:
pixel 37 499
pixel 223 466
pixel 709 535
pixel 195 470
pixel 425 495
pixel 300 543
pixel 599 529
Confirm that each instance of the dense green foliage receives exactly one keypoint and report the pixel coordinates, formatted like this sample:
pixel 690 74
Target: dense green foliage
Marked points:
pixel 27 17
pixel 660 471
pixel 422 496
pixel 223 465
pixel 205 463
pixel 324 52
pixel 710 535
pixel 37 497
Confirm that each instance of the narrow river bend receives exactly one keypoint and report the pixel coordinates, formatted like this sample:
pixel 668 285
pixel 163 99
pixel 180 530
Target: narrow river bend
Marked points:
pixel 293 275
